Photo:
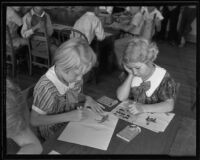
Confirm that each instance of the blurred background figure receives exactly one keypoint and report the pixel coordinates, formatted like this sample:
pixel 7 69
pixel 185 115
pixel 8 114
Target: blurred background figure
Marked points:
pixel 152 18
pixel 90 25
pixel 17 122
pixel 14 22
pixel 169 24
pixel 187 17
pixel 37 21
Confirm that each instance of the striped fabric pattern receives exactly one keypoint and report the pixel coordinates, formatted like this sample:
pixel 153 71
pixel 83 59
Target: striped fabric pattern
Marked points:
pixel 49 100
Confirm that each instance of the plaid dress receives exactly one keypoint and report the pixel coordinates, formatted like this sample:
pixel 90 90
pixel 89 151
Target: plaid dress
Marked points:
pixel 166 90
pixel 48 99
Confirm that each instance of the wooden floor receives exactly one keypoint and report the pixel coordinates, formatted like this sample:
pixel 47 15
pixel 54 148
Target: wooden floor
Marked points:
pixel 180 62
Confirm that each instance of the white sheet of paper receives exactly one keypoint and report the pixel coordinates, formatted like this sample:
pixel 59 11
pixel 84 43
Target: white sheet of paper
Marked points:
pixel 162 119
pixel 53 152
pixel 90 132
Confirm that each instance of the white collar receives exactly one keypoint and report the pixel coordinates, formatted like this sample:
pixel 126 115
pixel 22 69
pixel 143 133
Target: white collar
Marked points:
pixel 155 80
pixel 61 87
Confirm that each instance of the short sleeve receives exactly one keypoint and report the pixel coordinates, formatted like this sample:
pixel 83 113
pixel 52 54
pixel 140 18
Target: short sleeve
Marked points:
pixel 44 97
pixel 167 89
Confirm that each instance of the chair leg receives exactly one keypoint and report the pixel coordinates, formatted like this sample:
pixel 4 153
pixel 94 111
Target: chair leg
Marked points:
pixel 14 67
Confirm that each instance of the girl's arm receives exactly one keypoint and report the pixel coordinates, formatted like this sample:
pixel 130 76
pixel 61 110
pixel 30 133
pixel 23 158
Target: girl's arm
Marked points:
pixel 28 142
pixel 124 90
pixel 42 119
pixel 166 106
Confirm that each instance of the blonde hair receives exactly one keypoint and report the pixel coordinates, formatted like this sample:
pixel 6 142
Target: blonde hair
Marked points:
pixel 16 110
pixel 140 50
pixel 74 53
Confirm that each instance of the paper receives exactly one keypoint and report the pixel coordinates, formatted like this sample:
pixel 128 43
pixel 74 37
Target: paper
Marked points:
pixel 90 132
pixel 53 152
pixel 156 122
pixel 159 123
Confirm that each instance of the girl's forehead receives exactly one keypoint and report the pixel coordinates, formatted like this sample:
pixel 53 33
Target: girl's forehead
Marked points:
pixel 136 64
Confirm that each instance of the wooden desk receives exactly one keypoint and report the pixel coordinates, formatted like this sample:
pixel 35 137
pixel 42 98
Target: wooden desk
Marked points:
pixel 147 142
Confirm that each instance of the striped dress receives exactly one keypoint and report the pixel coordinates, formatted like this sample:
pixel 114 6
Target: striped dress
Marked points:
pixel 49 101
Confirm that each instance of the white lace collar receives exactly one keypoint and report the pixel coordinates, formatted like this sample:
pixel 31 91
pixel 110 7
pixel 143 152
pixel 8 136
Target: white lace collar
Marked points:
pixel 155 80
pixel 61 87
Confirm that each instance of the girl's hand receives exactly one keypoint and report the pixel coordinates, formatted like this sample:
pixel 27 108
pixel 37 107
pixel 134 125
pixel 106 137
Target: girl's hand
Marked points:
pixel 76 115
pixel 135 108
pixel 128 70
pixel 96 107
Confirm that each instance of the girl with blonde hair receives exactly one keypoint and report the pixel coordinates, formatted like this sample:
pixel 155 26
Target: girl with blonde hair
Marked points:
pixel 147 84
pixel 58 92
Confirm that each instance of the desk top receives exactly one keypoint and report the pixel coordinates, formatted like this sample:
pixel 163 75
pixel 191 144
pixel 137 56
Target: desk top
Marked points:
pixel 147 142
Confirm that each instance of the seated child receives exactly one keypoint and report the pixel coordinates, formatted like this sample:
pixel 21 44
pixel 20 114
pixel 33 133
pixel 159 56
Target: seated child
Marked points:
pixel 37 21
pixel 17 122
pixel 90 25
pixel 151 22
pixel 58 92
pixel 148 84
pixel 14 22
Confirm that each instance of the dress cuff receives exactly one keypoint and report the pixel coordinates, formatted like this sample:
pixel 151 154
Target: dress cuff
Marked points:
pixel 38 110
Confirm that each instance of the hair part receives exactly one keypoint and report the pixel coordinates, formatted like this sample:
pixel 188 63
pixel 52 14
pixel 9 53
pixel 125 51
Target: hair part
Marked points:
pixel 140 50
pixel 74 53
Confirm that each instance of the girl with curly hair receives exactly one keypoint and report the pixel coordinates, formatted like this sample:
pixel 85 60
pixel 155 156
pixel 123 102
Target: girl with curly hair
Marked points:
pixel 149 85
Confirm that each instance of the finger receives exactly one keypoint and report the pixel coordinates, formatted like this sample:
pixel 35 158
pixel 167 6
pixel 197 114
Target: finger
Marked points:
pixel 100 106
pixel 100 110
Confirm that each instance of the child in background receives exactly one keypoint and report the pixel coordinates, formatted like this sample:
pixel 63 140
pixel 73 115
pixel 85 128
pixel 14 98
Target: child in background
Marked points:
pixel 149 85
pixel 90 25
pixel 151 22
pixel 14 22
pixel 37 20
pixel 17 121
pixel 58 92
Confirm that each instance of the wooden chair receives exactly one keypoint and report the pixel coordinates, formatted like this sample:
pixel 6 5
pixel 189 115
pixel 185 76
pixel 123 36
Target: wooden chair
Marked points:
pixel 66 32
pixel 14 55
pixel 10 52
pixel 36 54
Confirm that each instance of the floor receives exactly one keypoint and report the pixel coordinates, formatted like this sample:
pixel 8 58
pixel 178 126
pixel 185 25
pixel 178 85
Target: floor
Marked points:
pixel 180 62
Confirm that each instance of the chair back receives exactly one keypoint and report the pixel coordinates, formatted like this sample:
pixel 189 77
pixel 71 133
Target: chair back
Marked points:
pixel 177 91
pixel 39 47
pixel 10 55
pixel 70 32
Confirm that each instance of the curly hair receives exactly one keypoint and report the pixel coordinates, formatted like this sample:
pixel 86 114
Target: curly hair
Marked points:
pixel 140 50
pixel 74 53
pixel 16 110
